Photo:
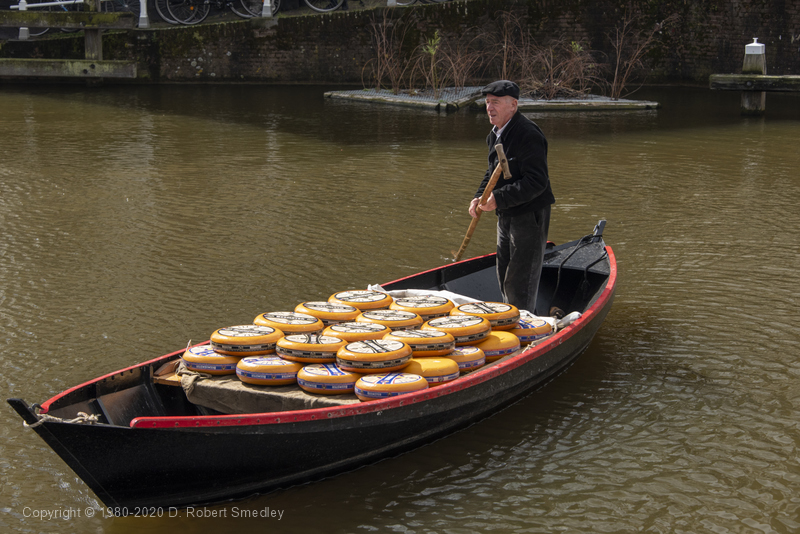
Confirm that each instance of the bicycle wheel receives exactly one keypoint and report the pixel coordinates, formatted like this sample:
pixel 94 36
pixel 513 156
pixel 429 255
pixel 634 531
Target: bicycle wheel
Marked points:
pixel 163 12
pixel 36 32
pixel 123 6
pixel 324 6
pixel 254 7
pixel 189 11
pixel 405 3
pixel 239 10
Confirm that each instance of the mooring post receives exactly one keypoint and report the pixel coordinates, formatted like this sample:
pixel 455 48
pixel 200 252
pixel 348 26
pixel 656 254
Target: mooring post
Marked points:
pixel 144 17
pixel 754 102
pixel 266 9
pixel 24 33
pixel 93 41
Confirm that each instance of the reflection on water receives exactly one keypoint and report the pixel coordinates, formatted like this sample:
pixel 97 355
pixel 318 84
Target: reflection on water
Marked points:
pixel 137 218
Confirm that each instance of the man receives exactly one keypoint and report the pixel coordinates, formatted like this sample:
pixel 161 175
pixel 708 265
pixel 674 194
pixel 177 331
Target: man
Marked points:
pixel 522 202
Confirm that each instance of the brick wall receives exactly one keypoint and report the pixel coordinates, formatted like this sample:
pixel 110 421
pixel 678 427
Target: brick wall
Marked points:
pixel 707 36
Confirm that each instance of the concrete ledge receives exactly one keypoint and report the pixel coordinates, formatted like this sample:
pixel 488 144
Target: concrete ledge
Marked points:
pixel 67 68
pixel 754 82
pixel 75 20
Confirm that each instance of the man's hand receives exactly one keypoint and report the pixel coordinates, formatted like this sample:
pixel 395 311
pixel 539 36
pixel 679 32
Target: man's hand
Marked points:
pixel 473 207
pixel 491 204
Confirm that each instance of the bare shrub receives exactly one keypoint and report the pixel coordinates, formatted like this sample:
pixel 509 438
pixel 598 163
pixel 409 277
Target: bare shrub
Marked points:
pixel 390 65
pixel 561 70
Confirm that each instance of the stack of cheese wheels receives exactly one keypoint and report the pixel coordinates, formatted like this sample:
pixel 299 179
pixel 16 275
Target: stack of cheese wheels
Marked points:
pixel 357 331
pixel 245 340
pixel 435 370
pixel 373 356
pixel 425 343
pixel 291 322
pixel 267 370
pixel 427 307
pixel 309 348
pixel 327 379
pixel 499 343
pixel 394 319
pixel 502 316
pixel 468 358
pixel 466 329
pixel 328 312
pixel 381 386
pixel 363 299
pixel 530 329
pixel 204 359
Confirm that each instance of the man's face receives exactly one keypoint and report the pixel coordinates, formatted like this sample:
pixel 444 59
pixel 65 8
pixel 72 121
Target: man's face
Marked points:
pixel 500 109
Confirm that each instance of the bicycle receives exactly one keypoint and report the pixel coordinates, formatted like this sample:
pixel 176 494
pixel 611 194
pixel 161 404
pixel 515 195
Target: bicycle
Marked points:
pixel 324 6
pixel 196 11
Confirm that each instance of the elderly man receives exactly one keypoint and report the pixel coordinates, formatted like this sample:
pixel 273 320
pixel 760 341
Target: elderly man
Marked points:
pixel 522 202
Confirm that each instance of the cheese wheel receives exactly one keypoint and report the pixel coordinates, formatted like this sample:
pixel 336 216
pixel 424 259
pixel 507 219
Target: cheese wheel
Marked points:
pixel 267 371
pixel 373 356
pixel 357 331
pixel 394 319
pixel 468 358
pixel 245 340
pixel 502 316
pixel 363 299
pixel 426 306
pixel 327 379
pixel 425 342
pixel 381 386
pixel 328 312
pixel 290 322
pixel 498 344
pixel 466 329
pixel 435 370
pixel 531 329
pixel 204 359
pixel 309 348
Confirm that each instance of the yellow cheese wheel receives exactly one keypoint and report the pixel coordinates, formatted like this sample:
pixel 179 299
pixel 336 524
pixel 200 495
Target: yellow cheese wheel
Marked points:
pixel 290 322
pixel 245 340
pixel 357 331
pixel 267 371
pixel 466 329
pixel 363 299
pixel 531 329
pixel 425 343
pixel 327 379
pixel 385 385
pixel 502 316
pixel 435 370
pixel 309 348
pixel 468 358
pixel 394 319
pixel 427 307
pixel 328 312
pixel 498 344
pixel 204 359
pixel 373 356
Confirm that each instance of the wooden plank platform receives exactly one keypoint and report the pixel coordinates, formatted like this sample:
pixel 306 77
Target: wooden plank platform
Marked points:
pixel 71 68
pixel 76 20
pixel 754 82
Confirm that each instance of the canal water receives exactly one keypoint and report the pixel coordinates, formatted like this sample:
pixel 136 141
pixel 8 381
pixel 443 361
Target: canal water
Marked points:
pixel 136 219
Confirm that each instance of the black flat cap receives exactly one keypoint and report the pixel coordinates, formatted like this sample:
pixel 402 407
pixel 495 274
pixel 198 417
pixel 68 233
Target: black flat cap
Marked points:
pixel 501 88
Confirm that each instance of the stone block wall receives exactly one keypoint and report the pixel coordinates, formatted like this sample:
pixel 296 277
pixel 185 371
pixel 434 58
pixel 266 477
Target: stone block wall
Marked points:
pixel 705 37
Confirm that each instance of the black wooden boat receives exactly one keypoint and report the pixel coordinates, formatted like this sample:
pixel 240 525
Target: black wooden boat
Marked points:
pixel 143 441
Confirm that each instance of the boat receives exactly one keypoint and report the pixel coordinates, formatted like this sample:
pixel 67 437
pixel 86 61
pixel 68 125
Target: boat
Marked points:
pixel 138 442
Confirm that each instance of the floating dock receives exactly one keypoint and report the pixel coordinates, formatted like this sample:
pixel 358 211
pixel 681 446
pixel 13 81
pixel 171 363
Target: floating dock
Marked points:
pixel 452 99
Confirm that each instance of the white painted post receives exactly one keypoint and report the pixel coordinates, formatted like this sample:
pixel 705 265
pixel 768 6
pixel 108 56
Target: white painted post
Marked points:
pixel 144 18
pixel 266 9
pixel 24 33
pixel 754 102
pixel 391 3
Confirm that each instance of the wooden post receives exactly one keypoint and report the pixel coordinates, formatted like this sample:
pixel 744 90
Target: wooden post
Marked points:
pixel 93 42
pixel 754 102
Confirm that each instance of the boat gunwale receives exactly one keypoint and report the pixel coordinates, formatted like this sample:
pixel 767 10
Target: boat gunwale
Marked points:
pixel 315 414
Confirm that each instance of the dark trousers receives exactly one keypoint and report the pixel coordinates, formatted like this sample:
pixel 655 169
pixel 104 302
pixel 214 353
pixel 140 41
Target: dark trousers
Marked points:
pixel 521 242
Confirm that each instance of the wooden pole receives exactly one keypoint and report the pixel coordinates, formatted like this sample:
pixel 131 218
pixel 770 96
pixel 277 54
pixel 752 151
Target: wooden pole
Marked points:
pixel 754 102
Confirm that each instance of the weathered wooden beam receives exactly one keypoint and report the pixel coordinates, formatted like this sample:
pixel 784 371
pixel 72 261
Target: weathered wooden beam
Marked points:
pixel 753 82
pixel 76 20
pixel 67 68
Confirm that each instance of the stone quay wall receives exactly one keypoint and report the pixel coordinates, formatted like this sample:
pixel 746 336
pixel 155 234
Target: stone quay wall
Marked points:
pixel 705 37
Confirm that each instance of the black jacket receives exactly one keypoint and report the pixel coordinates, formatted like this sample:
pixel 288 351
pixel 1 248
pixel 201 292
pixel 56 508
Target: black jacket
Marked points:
pixel 526 149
